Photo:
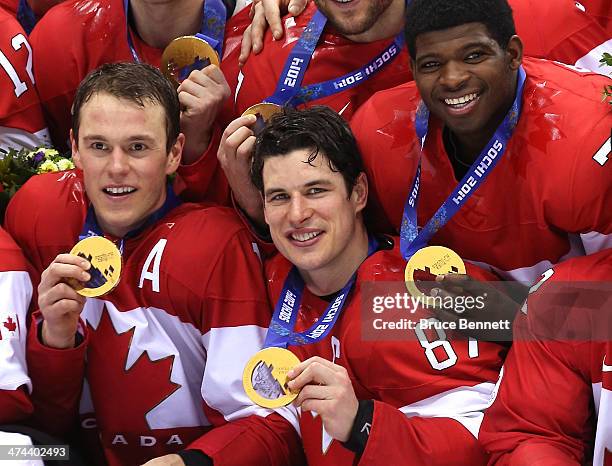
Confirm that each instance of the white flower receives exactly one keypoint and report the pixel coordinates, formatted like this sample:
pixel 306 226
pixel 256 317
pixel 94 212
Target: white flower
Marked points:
pixel 48 166
pixel 65 164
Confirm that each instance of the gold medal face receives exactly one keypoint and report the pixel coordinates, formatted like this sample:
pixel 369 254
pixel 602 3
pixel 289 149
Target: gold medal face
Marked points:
pixel 105 270
pixel 185 54
pixel 265 377
pixel 427 264
pixel 263 111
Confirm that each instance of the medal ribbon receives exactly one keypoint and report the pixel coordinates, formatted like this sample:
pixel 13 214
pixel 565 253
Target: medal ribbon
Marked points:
pixel 281 331
pixel 411 239
pixel 212 30
pixel 26 16
pixel 92 228
pixel 288 89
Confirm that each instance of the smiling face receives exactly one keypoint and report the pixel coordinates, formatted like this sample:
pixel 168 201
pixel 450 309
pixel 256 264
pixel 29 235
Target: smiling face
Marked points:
pixel 313 221
pixel 121 149
pixel 466 79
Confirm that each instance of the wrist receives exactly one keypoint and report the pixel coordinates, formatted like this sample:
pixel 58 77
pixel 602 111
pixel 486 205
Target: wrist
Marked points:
pixel 62 339
pixel 362 425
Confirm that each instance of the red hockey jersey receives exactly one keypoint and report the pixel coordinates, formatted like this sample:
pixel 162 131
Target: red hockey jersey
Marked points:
pixel 21 119
pixel 546 200
pixel 561 31
pixel 92 33
pixel 15 295
pixel 554 404
pixel 166 348
pixel 430 390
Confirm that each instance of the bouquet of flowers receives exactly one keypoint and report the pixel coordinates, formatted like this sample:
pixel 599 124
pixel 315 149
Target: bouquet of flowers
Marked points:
pixel 17 166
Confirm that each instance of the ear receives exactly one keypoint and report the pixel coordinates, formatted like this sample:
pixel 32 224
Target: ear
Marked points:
pixel 360 192
pixel 263 201
pixel 174 156
pixel 514 52
pixel 76 157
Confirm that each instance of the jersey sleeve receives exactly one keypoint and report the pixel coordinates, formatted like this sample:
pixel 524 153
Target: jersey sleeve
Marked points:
pixel 236 318
pixel 15 296
pixel 424 441
pixel 21 119
pixel 58 377
pixel 56 88
pixel 542 411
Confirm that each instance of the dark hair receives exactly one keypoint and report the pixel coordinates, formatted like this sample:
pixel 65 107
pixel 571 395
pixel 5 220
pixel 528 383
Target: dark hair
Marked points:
pixel 134 82
pixel 433 15
pixel 317 128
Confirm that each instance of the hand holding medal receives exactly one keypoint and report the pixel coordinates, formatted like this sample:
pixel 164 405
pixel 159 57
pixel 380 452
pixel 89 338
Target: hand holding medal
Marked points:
pixel 184 55
pixel 105 266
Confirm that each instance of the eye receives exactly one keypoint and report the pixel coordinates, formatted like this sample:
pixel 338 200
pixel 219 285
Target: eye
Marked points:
pixel 138 147
pixel 315 191
pixel 474 56
pixel 97 145
pixel 278 197
pixel 429 66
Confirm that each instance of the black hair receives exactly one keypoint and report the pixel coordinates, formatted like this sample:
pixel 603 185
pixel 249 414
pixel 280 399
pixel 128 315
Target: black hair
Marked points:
pixel 134 82
pixel 317 128
pixel 433 15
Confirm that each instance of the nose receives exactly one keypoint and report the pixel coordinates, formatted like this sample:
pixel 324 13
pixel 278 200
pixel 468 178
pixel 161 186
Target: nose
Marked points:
pixel 299 210
pixel 118 165
pixel 453 75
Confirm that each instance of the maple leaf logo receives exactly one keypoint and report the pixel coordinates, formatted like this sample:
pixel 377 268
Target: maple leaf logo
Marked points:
pixel 10 325
pixel 123 397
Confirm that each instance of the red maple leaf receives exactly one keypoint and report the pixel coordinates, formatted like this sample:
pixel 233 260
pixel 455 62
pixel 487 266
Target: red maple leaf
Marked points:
pixel 10 325
pixel 121 397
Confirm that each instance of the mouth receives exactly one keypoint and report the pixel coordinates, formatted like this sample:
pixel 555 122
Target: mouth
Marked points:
pixel 305 238
pixel 462 104
pixel 118 191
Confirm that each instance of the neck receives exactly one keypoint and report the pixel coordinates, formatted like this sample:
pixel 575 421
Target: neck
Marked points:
pixel 332 278
pixel 158 23
pixel 470 145
pixel 389 24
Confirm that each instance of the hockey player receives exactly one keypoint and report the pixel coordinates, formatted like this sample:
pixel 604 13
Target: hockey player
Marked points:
pixel 554 404
pixel 15 295
pixel 157 361
pixel 21 119
pixel 363 400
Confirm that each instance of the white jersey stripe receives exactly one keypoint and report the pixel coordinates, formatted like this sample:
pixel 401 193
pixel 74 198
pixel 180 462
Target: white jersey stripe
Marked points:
pixel 464 404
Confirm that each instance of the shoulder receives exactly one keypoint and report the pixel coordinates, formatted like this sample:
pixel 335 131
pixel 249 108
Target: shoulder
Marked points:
pixel 11 257
pixel 74 19
pixel 565 87
pixel 398 104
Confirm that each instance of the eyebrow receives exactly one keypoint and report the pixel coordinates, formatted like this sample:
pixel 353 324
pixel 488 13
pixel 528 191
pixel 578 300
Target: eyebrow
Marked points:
pixel 469 45
pixel 321 182
pixel 137 137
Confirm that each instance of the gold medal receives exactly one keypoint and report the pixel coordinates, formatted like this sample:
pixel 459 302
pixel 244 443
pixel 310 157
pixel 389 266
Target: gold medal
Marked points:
pixel 265 377
pixel 185 54
pixel 426 264
pixel 105 270
pixel 263 111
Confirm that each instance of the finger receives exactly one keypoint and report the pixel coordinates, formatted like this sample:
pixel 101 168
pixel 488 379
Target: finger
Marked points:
pixel 60 271
pixel 273 17
pixel 315 373
pixel 312 392
pixel 245 45
pixel 235 141
pixel 297 7
pixel 301 367
pixel 258 28
pixel 59 292
pixel 240 122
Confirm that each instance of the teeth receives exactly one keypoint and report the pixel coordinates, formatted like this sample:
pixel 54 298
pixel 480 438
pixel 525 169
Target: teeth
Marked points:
pixel 344 1
pixel 304 236
pixel 461 100
pixel 120 190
